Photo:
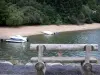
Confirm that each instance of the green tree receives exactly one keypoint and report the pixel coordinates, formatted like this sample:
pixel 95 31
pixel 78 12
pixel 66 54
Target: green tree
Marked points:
pixel 15 17
pixel 92 4
pixel 12 1
pixel 18 12
pixel 3 13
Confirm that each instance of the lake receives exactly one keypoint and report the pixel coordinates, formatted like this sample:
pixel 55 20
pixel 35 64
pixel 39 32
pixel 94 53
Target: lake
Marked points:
pixel 22 53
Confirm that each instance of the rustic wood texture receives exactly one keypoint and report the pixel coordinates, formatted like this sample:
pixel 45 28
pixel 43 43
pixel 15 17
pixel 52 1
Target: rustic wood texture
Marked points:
pixel 85 60
pixel 40 49
pixel 63 46
pixel 87 69
pixel 40 67
pixel 64 59
pixel 88 49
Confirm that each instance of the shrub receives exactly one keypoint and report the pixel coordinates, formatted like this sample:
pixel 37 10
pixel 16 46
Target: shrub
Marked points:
pixel 59 20
pixel 18 12
pixel 33 3
pixel 73 20
pixel 33 12
pixel 96 15
pixel 15 17
pixel 3 13
pixel 32 15
pixel 92 4
pixel 50 12
pixel 81 18
pixel 12 1
pixel 36 13
pixel 87 12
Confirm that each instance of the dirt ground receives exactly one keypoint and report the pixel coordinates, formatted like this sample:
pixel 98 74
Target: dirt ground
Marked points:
pixel 34 30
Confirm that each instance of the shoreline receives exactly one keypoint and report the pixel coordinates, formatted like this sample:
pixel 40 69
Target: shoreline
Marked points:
pixel 35 30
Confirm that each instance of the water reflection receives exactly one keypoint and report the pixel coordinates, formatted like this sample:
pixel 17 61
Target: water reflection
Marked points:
pixel 22 53
pixel 79 37
pixel 13 51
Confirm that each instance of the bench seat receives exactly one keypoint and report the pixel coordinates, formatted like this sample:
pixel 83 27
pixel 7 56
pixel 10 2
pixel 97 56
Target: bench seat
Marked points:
pixel 64 59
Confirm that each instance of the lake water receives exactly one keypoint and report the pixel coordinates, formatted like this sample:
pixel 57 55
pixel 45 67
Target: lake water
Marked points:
pixel 21 51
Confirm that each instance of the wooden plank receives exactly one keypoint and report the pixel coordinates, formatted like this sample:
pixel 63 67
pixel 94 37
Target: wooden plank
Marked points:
pixel 63 46
pixel 40 67
pixel 64 59
pixel 40 49
pixel 88 49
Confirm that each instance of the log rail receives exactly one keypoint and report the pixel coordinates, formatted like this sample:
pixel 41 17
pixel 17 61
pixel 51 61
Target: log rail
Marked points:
pixel 85 61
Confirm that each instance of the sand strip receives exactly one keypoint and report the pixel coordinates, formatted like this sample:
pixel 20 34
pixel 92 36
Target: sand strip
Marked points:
pixel 34 30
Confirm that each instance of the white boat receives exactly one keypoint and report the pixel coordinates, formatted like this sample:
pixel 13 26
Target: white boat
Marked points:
pixel 17 39
pixel 48 32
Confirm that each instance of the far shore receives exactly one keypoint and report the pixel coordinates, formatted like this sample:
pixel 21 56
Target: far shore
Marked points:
pixel 35 30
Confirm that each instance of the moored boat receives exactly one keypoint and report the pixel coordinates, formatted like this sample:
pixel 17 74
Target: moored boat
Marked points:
pixel 48 32
pixel 17 39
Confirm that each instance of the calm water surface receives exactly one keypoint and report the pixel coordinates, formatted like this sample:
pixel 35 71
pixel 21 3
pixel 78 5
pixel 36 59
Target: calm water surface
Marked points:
pixel 21 51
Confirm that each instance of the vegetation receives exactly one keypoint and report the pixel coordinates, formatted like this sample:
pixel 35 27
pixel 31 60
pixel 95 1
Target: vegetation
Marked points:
pixel 3 12
pixel 40 12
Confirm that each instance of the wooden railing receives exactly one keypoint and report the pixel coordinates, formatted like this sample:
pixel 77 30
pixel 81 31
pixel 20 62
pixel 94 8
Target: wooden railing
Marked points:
pixel 85 61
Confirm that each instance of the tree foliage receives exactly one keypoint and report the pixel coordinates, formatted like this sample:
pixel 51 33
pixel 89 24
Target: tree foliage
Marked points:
pixel 3 12
pixel 36 12
pixel 15 17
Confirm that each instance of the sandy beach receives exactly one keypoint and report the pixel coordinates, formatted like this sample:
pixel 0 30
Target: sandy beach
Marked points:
pixel 34 30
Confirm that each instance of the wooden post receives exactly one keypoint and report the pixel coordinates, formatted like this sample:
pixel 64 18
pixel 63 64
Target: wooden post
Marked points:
pixel 88 49
pixel 40 49
pixel 87 67
pixel 40 66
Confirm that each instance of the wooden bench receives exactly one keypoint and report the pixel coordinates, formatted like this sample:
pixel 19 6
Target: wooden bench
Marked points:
pixel 85 61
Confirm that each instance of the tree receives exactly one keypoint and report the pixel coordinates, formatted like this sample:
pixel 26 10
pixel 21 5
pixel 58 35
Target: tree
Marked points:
pixel 3 12
pixel 15 17
pixel 92 4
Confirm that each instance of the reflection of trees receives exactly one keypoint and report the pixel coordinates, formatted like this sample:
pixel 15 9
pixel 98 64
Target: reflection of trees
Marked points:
pixel 49 38
pixel 12 50
pixel 21 51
